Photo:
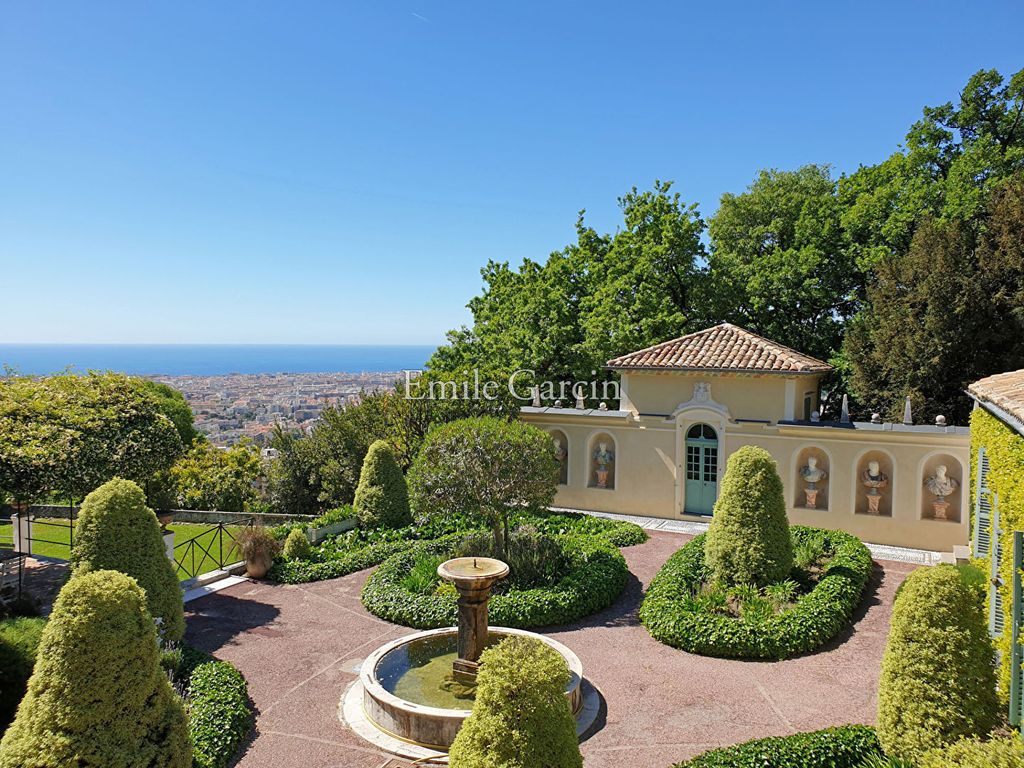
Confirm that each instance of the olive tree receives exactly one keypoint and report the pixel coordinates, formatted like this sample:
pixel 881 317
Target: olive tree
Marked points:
pixel 484 467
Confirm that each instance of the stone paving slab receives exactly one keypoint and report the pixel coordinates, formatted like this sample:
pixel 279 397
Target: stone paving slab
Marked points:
pixel 300 646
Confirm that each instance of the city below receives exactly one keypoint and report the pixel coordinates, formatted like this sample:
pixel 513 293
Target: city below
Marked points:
pixel 231 407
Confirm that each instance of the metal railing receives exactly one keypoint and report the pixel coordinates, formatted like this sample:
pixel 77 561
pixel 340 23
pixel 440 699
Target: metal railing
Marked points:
pixel 212 549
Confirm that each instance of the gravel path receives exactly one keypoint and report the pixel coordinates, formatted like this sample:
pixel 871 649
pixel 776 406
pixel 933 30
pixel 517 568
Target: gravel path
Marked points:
pixel 300 646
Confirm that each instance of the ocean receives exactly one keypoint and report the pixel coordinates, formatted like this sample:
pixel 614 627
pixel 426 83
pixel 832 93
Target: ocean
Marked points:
pixel 211 359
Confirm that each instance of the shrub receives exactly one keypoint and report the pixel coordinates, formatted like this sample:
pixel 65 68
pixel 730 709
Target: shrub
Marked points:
pixel 340 564
pixel 219 717
pixel 520 718
pixel 596 576
pixel 97 697
pixel 19 640
pixel 534 559
pixel 938 679
pixel 971 753
pixel 675 611
pixel 423 576
pixel 845 747
pixel 296 546
pixel 382 497
pixel 748 541
pixel 117 531
pixel 484 468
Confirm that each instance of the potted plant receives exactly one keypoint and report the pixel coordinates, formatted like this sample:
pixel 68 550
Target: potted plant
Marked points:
pixel 258 548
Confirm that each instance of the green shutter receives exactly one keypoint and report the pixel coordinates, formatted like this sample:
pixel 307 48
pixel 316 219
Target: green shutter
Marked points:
pixel 1016 670
pixel 995 597
pixel 982 508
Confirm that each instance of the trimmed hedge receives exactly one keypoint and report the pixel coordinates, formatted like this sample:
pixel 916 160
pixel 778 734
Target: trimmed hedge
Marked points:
pixel 672 615
pixel 98 697
pixel 999 753
pixel 382 496
pixel 938 681
pixel 749 540
pixel 296 546
pixel 341 564
pixel 520 716
pixel 219 716
pixel 597 576
pixel 117 531
pixel 19 641
pixel 843 747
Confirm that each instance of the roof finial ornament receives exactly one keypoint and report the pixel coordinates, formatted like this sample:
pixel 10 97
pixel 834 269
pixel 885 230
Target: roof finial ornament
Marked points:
pixel 908 417
pixel 844 416
pixel 536 396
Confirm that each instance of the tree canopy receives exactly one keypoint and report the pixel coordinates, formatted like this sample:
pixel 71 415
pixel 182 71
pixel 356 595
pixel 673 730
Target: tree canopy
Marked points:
pixel 70 433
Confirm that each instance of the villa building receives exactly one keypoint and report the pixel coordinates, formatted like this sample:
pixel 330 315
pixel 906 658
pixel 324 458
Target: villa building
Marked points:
pixel 687 404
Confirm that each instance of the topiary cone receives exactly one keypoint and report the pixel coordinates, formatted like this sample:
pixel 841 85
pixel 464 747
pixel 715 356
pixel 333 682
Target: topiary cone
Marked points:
pixel 117 531
pixel 938 680
pixel 382 497
pixel 520 718
pixel 98 697
pixel 748 541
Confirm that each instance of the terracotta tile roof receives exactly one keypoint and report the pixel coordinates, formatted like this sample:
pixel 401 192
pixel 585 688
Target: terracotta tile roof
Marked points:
pixel 1004 390
pixel 725 348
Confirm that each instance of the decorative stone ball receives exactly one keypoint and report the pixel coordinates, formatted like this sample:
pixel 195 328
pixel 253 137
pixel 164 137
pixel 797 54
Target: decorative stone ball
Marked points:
pixel 876 418
pixel 558 403
pixel 940 420
pixel 815 416
pixel 603 406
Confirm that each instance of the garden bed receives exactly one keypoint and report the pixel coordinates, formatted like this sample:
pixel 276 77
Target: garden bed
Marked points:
pixel 847 746
pixel 683 610
pixel 364 548
pixel 595 574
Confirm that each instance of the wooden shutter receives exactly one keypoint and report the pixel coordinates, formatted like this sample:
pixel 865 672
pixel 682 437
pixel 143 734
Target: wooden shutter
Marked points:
pixel 1016 670
pixel 982 508
pixel 995 597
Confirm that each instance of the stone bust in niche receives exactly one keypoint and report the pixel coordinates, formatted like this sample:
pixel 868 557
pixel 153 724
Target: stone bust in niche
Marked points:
pixel 941 485
pixel 603 459
pixel 874 479
pixel 812 475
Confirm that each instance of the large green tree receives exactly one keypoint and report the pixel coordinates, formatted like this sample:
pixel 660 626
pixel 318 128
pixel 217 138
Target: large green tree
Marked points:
pixel 778 265
pixel 604 295
pixel 68 434
pixel 947 312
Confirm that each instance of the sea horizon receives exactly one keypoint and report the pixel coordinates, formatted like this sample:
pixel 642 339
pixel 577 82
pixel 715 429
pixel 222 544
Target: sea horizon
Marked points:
pixel 38 359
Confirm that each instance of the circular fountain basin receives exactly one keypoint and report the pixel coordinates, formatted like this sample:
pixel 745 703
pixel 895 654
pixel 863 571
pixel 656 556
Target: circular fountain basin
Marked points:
pixel 401 695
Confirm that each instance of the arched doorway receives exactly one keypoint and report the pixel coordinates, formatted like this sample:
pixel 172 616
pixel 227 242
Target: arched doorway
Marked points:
pixel 701 470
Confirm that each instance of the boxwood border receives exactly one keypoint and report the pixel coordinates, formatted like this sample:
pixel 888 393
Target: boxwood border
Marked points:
pixel 845 746
pixel 219 715
pixel 597 576
pixel 671 616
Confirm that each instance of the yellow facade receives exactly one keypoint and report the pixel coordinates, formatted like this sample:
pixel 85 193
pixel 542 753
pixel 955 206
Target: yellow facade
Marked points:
pixel 656 460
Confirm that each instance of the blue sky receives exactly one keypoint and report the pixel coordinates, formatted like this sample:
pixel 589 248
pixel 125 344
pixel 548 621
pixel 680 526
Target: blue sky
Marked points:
pixel 329 172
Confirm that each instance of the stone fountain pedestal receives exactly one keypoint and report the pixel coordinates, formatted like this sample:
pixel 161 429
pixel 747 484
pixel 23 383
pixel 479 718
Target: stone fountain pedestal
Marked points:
pixel 473 578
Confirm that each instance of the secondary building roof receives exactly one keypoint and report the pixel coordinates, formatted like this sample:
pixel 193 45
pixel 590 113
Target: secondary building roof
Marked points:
pixel 1004 390
pixel 725 348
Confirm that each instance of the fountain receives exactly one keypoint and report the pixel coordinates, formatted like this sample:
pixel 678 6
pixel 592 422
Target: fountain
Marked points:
pixel 413 694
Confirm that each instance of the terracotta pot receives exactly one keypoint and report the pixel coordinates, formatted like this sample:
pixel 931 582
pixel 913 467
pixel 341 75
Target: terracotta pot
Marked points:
pixel 257 567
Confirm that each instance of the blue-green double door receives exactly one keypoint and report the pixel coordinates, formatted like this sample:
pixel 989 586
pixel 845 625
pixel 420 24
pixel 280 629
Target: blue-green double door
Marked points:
pixel 701 470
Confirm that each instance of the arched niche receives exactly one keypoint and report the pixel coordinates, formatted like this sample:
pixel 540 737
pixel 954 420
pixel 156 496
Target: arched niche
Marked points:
pixel 932 506
pixel 810 493
pixel 883 490
pixel 602 460
pixel 561 442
